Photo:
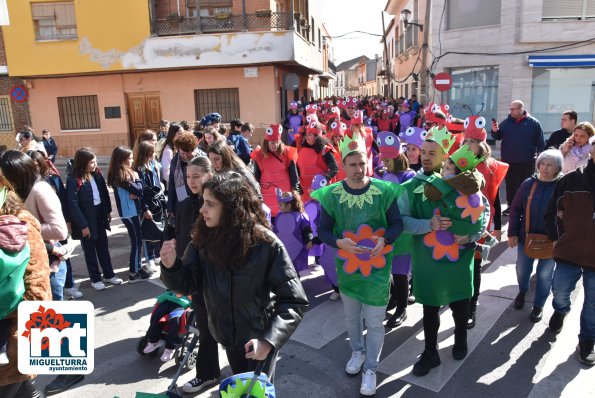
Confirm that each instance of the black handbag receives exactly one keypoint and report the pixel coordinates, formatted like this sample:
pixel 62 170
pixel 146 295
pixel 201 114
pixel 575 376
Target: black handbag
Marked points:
pixel 151 231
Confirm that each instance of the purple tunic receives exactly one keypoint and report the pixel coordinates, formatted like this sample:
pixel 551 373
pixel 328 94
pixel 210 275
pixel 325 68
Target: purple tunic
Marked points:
pixel 288 227
pixel 312 209
pixel 327 261
pixel 295 122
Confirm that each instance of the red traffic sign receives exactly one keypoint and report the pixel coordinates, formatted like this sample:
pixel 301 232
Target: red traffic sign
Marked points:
pixel 19 93
pixel 442 81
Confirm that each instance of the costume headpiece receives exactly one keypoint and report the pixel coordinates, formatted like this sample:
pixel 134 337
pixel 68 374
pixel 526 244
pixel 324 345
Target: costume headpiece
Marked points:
pixel 389 144
pixel 348 145
pixel 338 128
pixel 293 105
pixel 414 135
pixel 358 118
pixel 273 132
pixel 311 108
pixel 314 128
pixel 465 159
pixel 475 128
pixel 281 198
pixel 442 137
pixel 318 181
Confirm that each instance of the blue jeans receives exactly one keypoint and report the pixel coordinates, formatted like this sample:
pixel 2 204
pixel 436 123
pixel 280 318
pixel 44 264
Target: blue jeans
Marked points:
pixel 544 273
pixel 136 243
pixel 565 279
pixel 151 249
pixel 57 280
pixel 355 313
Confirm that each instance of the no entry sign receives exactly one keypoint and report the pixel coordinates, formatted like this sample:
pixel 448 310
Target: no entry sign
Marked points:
pixel 18 93
pixel 442 81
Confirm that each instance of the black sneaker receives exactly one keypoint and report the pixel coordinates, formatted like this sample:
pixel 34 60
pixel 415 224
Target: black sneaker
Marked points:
pixel 471 320
pixel 519 301
pixel 556 322
pixel 429 359
pixel 536 314
pixel 139 276
pixel 397 318
pixel 459 349
pixel 506 212
pixel 62 383
pixel 586 354
pixel 196 384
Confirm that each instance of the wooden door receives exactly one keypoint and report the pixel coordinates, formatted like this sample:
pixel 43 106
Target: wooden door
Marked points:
pixel 144 112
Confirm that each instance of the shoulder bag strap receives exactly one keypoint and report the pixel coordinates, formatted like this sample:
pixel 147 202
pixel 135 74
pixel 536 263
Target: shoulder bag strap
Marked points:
pixel 528 209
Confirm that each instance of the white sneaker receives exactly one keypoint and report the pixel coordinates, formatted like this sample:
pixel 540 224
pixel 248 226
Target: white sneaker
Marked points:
pixel 368 386
pixel 355 363
pixel 152 346
pixel 335 296
pixel 114 280
pixel 73 293
pixel 168 355
pixel 151 266
pixel 98 285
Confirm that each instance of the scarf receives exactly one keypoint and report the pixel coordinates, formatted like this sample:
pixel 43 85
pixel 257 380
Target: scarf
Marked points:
pixel 578 154
pixel 179 179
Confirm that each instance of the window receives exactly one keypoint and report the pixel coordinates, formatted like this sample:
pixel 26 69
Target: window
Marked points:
pixel 225 101
pixel 78 113
pixel 54 21
pixel 5 114
pixel 568 9
pixel 472 13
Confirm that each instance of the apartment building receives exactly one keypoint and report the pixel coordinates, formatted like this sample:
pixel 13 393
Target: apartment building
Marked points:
pixel 99 72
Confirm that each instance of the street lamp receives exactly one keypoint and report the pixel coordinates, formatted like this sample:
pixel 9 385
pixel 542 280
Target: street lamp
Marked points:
pixel 405 14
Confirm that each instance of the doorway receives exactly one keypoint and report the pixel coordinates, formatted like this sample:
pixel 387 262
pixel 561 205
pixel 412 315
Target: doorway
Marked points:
pixel 144 112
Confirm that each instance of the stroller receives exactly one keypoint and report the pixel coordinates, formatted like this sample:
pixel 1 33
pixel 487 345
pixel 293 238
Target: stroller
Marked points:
pixel 186 332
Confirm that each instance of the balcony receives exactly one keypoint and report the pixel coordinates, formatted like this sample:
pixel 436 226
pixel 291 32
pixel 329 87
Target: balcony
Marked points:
pixel 178 25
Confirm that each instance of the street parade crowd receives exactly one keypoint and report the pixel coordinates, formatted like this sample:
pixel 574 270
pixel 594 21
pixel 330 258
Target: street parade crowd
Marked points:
pixel 396 201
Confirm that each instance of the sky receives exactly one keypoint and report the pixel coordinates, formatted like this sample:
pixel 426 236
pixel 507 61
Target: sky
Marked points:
pixel 343 16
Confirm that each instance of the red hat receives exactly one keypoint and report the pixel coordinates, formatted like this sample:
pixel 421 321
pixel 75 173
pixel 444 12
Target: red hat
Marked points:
pixel 475 128
pixel 357 118
pixel 314 128
pixel 312 117
pixel 335 112
pixel 273 132
pixel 351 102
pixel 338 128
pixel 311 108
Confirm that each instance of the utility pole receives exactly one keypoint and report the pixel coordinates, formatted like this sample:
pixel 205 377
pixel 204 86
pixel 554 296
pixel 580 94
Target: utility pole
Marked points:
pixel 387 72
pixel 424 73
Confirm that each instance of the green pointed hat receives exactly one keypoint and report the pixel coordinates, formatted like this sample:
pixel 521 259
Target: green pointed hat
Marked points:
pixel 442 137
pixel 349 145
pixel 465 159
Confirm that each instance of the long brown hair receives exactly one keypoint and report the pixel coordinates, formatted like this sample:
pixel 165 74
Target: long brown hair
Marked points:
pixel 229 160
pixel 118 171
pixel 82 158
pixel 13 204
pixel 144 154
pixel 243 223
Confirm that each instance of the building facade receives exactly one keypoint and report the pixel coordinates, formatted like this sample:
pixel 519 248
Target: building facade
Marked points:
pixel 349 76
pixel 98 77
pixel 538 51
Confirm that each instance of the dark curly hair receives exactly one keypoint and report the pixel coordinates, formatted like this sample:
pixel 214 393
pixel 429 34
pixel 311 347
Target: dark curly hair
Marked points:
pixel 243 223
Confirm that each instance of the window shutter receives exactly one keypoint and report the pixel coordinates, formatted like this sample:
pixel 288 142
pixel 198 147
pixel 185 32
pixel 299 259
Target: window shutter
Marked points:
pixel 472 13
pixel 562 9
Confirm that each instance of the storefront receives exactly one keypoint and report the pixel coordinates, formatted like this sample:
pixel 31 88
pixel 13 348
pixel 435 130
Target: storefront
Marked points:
pixel 474 91
pixel 561 83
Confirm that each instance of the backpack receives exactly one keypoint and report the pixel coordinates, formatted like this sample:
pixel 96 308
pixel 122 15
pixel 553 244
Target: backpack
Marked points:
pixel 234 141
pixel 12 285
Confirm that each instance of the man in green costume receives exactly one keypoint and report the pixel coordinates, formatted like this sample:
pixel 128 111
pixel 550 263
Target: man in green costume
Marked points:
pixel 360 216
pixel 442 266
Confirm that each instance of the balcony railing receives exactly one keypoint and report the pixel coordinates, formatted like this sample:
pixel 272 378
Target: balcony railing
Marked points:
pixel 276 21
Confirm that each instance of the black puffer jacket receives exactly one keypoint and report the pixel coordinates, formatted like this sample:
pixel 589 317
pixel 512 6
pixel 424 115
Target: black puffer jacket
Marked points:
pixel 240 302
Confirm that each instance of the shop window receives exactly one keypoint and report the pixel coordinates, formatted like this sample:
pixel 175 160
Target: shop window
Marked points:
pixel 54 21
pixel 6 123
pixel 568 9
pixel 225 101
pixel 472 13
pixel 78 113
pixel 474 90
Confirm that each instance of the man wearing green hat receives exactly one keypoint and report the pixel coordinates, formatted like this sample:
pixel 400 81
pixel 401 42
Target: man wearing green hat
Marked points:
pixel 442 266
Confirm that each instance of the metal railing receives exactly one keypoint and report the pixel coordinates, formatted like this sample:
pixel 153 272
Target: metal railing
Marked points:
pixel 276 21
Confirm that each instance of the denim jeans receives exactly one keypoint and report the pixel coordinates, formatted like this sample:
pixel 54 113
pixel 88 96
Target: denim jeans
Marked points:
pixel 544 273
pixel 57 280
pixel 565 279
pixel 355 313
pixel 136 243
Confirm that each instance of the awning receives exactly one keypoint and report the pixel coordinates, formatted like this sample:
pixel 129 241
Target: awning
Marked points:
pixel 561 61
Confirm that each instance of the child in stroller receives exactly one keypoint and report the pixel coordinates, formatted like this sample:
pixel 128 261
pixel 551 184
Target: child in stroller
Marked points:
pixel 170 315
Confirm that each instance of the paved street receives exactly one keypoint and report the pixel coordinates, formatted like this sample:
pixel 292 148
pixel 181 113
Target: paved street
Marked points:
pixel 508 355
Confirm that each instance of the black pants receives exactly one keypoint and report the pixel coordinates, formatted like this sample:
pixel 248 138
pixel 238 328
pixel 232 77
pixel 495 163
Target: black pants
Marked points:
pixel 207 361
pixel 239 364
pixel 431 320
pixel 173 324
pixel 476 284
pixel 95 249
pixel 399 291
pixel 517 173
pixel 22 389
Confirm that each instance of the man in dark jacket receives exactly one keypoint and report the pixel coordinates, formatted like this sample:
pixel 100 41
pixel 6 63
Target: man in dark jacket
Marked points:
pixel 567 123
pixel 522 138
pixel 50 145
pixel 570 222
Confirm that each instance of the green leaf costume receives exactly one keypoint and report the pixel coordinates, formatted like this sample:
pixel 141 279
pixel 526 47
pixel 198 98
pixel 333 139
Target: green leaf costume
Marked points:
pixel 442 270
pixel 350 212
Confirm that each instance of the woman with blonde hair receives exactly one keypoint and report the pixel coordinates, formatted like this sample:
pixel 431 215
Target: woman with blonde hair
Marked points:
pixel 576 148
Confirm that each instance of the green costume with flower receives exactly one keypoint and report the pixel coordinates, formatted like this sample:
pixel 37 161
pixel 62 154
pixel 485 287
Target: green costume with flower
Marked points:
pixel 442 269
pixel 358 217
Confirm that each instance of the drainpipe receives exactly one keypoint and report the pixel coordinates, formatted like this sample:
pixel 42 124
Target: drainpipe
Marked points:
pixel 179 8
pixel 291 15
pixel 198 29
pixel 244 18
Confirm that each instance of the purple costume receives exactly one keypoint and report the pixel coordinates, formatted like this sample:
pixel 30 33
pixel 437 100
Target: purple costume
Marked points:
pixel 289 227
pixel 312 209
pixel 406 119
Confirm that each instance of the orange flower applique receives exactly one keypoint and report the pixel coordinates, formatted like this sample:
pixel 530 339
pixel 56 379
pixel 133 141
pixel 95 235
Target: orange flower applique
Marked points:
pixel 472 206
pixel 363 262
pixel 443 244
